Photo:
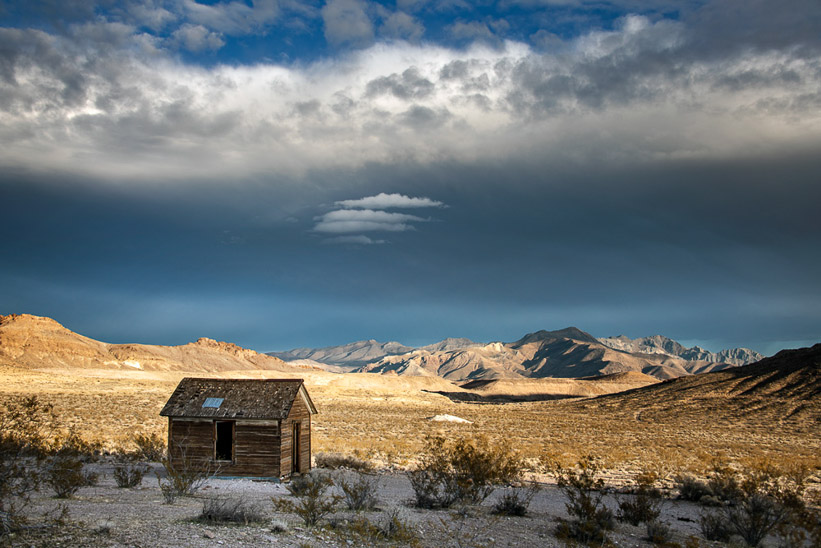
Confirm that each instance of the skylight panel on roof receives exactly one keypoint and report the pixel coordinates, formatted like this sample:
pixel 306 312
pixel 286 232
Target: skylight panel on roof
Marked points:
pixel 213 402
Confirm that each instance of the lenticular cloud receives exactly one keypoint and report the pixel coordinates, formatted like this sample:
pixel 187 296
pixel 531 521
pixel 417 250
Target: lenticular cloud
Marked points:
pixel 387 201
pixel 367 215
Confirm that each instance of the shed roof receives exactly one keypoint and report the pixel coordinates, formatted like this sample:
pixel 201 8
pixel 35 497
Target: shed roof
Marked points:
pixel 241 398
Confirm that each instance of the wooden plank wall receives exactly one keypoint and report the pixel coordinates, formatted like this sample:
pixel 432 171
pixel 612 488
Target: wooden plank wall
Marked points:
pixel 301 413
pixel 256 449
pixel 190 442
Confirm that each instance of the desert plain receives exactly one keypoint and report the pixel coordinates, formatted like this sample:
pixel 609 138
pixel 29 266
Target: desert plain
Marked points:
pixel 765 412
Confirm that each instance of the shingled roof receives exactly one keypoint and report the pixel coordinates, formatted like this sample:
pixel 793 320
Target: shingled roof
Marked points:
pixel 241 398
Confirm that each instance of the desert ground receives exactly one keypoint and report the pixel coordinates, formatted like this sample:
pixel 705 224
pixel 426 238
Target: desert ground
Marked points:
pixel 384 420
pixel 107 516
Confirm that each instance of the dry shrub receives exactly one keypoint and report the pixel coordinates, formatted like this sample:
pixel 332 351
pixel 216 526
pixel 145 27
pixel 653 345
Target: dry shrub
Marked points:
pixel 26 427
pixel 230 510
pixel 150 447
pixel 761 500
pixel 128 474
pixel 715 527
pixel 644 505
pixel 691 488
pixel 184 475
pixel 389 529
pixel 659 533
pixel 590 518
pixel 336 461
pixel 464 470
pixel 66 476
pixel 359 491
pixel 516 500
pixel 313 502
pixel 463 530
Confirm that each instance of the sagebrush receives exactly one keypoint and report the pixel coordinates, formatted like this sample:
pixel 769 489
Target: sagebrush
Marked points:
pixel 464 470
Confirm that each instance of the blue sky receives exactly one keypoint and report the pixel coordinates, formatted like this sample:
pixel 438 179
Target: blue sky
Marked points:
pixel 282 174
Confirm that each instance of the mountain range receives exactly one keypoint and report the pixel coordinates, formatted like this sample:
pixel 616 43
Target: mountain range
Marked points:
pixel 566 353
pixel 37 342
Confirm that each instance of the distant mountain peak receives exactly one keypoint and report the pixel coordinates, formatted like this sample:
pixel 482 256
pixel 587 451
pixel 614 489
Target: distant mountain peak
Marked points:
pixel 573 333
pixel 659 344
pixel 29 319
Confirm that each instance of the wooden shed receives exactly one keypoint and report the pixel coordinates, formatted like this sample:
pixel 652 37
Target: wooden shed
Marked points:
pixel 243 427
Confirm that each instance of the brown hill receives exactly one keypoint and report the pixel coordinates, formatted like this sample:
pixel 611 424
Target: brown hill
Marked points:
pixel 41 343
pixel 784 386
pixel 510 390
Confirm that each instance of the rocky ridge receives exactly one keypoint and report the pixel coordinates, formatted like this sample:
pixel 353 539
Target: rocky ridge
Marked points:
pixel 659 344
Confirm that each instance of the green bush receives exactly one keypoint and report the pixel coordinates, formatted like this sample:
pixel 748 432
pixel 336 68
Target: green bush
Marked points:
pixel 465 470
pixel 590 518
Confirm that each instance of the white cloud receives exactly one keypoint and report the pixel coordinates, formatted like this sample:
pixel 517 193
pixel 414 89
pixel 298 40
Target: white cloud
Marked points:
pixel 387 201
pixel 365 220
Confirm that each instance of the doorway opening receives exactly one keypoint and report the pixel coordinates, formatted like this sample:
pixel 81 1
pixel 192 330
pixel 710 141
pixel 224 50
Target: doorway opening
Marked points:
pixel 224 440
pixel 295 449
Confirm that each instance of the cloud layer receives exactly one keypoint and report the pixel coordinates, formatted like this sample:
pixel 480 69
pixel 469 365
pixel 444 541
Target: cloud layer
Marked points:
pixel 107 101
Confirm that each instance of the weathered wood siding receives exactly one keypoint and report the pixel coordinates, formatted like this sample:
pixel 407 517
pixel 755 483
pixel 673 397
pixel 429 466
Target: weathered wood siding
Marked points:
pixel 190 442
pixel 256 446
pixel 299 413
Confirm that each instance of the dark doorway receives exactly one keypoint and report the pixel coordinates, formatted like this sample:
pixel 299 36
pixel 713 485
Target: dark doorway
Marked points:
pixel 295 450
pixel 224 440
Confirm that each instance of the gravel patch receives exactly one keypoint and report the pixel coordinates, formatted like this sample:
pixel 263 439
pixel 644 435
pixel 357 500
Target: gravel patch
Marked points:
pixel 108 516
